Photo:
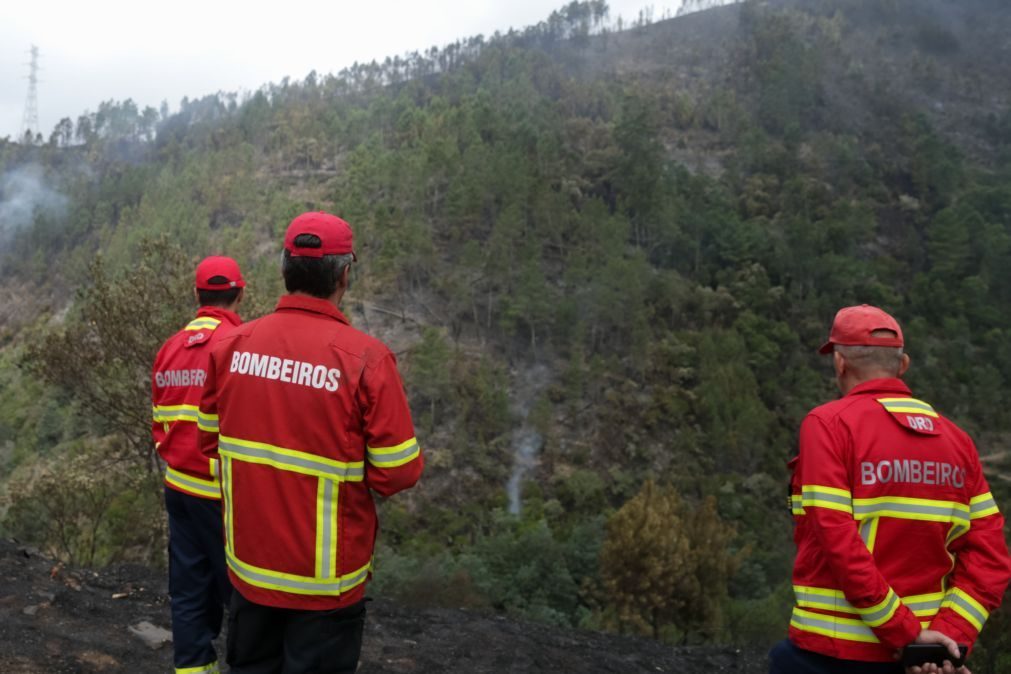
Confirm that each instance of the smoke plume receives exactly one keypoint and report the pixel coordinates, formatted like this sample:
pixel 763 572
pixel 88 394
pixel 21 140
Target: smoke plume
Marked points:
pixel 24 196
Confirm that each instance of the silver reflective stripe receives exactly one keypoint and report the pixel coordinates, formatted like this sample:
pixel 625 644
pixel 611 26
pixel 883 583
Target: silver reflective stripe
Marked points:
pixel 324 570
pixel 823 601
pixel 833 600
pixel 226 492
pixel 167 415
pixel 797 504
pixel 866 529
pixel 927 605
pixel 287 460
pixel 913 509
pixel 957 529
pixel 953 598
pixel 335 586
pixel 207 424
pixel 185 481
pixel 982 505
pixel 879 615
pixel 386 458
pixel 807 620
pixel 810 494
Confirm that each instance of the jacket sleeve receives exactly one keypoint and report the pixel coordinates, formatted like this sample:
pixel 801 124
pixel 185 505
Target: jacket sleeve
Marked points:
pixel 826 498
pixel 982 568
pixel 207 417
pixel 393 456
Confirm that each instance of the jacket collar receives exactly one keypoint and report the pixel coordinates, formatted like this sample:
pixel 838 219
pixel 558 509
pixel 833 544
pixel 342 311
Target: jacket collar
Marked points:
pixel 224 315
pixel 311 304
pixel 889 385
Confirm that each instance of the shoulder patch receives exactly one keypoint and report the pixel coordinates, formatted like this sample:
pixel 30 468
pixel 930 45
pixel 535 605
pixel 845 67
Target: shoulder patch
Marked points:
pixel 197 338
pixel 198 331
pixel 912 414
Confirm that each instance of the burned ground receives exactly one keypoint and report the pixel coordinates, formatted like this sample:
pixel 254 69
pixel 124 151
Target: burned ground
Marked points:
pixel 56 620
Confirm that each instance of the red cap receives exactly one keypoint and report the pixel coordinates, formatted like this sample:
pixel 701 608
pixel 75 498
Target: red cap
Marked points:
pixel 331 230
pixel 853 326
pixel 224 267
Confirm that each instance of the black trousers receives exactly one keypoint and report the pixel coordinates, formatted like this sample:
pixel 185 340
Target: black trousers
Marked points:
pixel 267 640
pixel 198 578
pixel 785 658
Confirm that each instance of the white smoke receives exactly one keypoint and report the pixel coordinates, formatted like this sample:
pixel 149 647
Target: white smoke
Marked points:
pixel 527 445
pixel 25 195
pixel 526 441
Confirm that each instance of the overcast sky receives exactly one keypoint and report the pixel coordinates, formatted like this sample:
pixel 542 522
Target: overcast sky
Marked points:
pixel 117 49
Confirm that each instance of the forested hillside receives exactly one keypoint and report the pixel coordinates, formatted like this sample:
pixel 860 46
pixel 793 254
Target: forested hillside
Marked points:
pixel 605 256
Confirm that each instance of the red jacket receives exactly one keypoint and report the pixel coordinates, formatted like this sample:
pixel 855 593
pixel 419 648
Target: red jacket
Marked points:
pixel 307 414
pixel 896 529
pixel 177 380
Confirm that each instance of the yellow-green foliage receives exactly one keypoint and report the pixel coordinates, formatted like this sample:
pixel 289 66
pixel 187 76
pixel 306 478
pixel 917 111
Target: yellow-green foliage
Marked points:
pixel 665 564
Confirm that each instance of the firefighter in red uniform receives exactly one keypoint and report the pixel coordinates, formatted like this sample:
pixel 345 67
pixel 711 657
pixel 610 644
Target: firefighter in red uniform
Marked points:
pixel 899 540
pixel 308 416
pixel 198 579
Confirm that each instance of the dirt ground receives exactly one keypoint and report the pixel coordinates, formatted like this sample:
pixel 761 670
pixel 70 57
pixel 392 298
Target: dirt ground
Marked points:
pixel 55 620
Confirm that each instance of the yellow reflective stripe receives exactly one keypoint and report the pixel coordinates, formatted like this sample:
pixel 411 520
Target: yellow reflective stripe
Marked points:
pixel 168 413
pixel 226 493
pixel 881 613
pixel 869 532
pixel 983 505
pixel 207 422
pixel 910 508
pixel 327 492
pixel 923 605
pixel 964 605
pixel 813 495
pixel 214 467
pixel 203 323
pixel 797 504
pixel 290 459
pixel 816 597
pixel 391 457
pixel 835 627
pixel 193 485
pixel 908 406
pixel 332 522
pixel 212 668
pixel 832 626
pixel 957 529
pixel 287 582
pixel 320 526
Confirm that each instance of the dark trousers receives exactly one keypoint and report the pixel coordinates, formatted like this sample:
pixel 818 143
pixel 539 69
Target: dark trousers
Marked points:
pixel 785 658
pixel 198 579
pixel 267 640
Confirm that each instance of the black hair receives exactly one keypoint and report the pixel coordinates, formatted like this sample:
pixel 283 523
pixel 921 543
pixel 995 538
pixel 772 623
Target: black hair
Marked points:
pixel 217 298
pixel 316 276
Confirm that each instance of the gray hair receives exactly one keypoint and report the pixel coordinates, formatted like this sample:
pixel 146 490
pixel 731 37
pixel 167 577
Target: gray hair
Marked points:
pixel 341 261
pixel 867 360
pixel 338 261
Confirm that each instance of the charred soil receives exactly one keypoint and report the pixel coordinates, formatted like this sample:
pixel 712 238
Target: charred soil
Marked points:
pixel 55 620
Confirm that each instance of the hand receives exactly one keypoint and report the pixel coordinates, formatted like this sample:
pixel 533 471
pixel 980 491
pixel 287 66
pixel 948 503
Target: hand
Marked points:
pixel 934 637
